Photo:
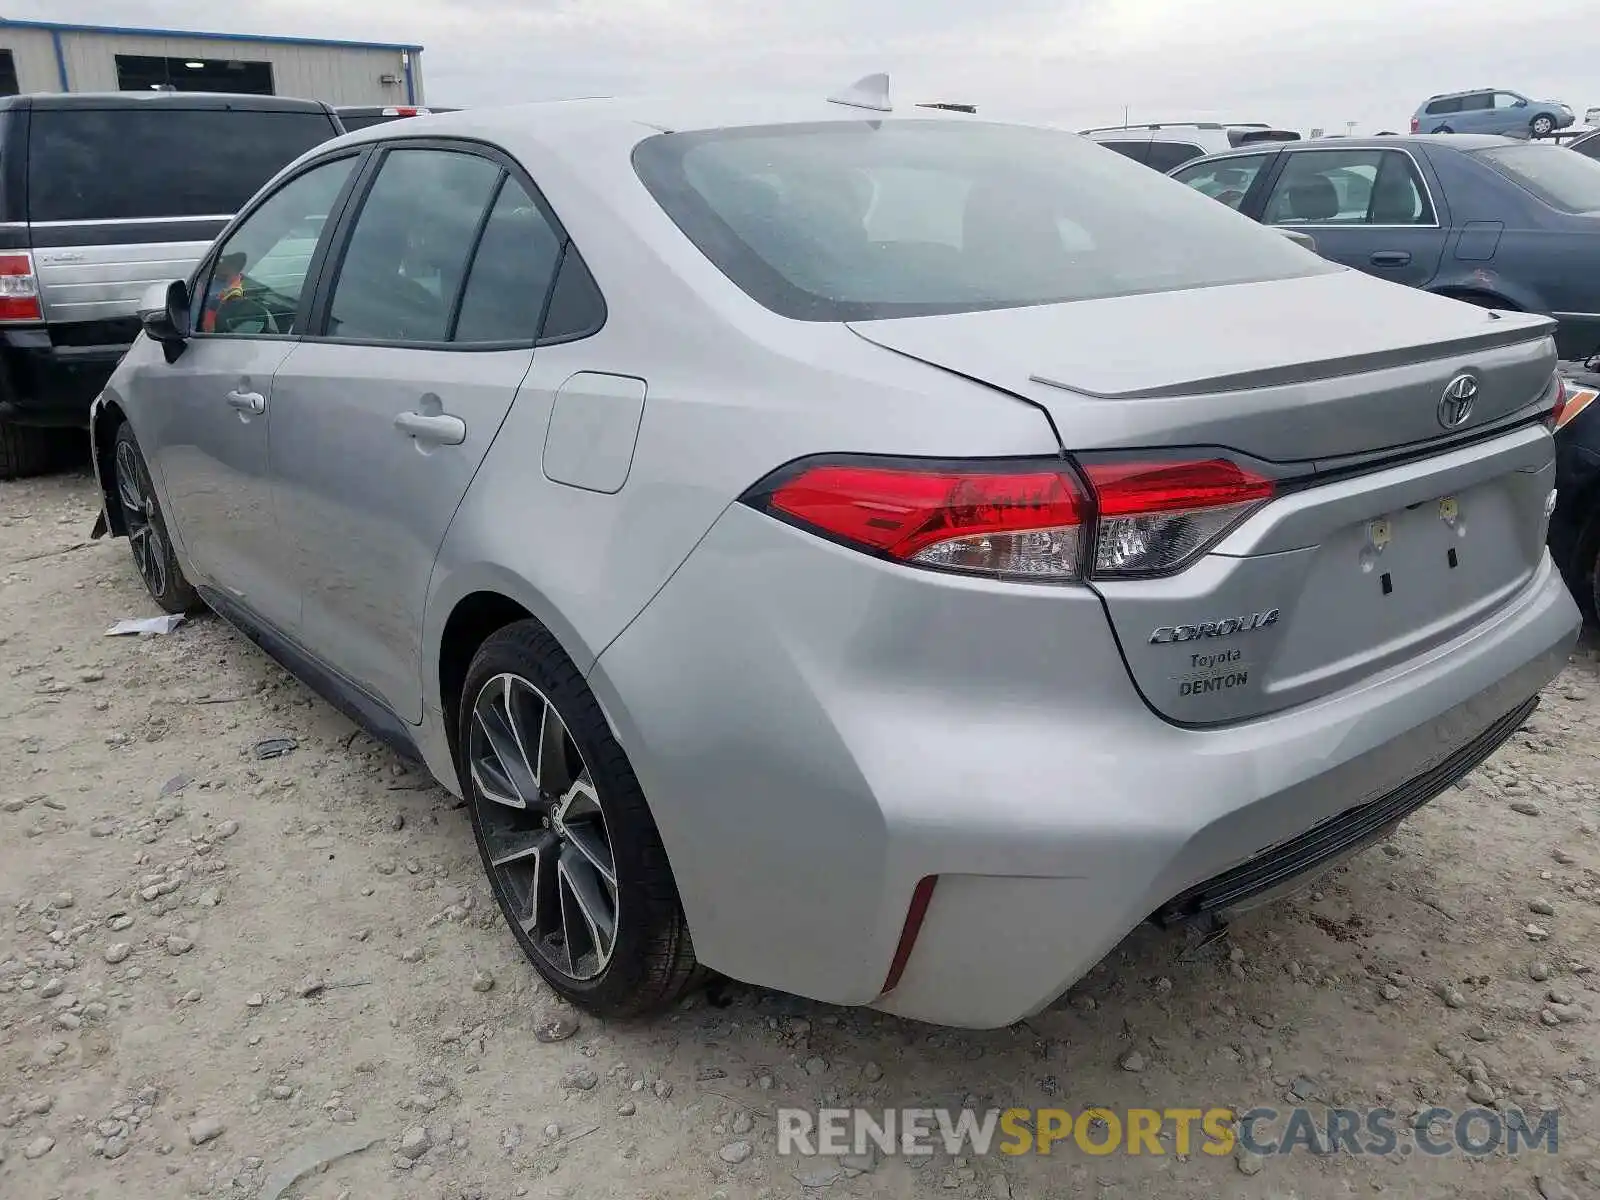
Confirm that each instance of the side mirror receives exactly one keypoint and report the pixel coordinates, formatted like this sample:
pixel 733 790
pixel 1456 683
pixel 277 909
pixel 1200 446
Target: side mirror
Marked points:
pixel 1520 104
pixel 164 314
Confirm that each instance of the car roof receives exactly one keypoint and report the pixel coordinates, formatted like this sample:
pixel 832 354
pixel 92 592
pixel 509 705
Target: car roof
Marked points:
pixel 587 124
pixel 180 101
pixel 1468 92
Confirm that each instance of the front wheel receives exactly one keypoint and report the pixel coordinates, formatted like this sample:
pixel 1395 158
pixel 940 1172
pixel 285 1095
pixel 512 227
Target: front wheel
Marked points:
pixel 571 849
pixel 153 555
pixel 1543 125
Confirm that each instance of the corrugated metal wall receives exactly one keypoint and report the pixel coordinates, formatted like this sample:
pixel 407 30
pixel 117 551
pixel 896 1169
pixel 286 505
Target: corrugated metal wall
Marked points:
pixel 336 74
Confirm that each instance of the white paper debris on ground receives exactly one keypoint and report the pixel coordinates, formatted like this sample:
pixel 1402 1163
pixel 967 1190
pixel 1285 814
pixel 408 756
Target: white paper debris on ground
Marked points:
pixel 152 625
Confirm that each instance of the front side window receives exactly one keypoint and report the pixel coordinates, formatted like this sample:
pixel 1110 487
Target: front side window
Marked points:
pixel 1348 187
pixel 411 246
pixel 259 275
pixel 1509 100
pixel 859 220
pixel 1225 180
pixel 1563 180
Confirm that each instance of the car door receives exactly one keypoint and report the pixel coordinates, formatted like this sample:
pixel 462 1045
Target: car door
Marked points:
pixel 1509 114
pixel 1371 209
pixel 204 418
pixel 1228 180
pixel 422 338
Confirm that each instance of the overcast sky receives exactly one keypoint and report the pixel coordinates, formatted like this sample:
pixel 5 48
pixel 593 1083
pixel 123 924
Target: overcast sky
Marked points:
pixel 1318 62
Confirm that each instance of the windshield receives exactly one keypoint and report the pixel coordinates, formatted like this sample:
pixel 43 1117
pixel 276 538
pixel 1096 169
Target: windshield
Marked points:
pixel 857 220
pixel 1563 180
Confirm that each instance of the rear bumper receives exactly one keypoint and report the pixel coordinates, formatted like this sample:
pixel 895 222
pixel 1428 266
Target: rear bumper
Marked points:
pixel 818 731
pixel 45 384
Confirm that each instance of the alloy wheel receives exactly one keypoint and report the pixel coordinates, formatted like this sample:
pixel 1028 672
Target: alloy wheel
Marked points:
pixel 138 509
pixel 543 829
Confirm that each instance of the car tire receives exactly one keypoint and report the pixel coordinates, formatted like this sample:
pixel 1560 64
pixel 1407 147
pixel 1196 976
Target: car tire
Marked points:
pixel 1444 129
pixel 1584 577
pixel 26 451
pixel 153 555
pixel 554 822
pixel 1542 126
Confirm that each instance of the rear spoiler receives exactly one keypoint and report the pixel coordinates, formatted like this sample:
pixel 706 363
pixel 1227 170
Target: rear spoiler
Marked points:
pixel 1249 137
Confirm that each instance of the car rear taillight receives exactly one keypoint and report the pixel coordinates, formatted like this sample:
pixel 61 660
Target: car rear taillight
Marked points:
pixel 19 288
pixel 1155 516
pixel 1570 401
pixel 1015 523
pixel 1415 125
pixel 1114 516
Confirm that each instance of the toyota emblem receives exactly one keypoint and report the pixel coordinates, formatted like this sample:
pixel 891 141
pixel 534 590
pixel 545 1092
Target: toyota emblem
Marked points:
pixel 1455 406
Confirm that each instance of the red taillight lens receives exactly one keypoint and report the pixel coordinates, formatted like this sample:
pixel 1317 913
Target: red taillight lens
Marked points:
pixel 404 112
pixel 19 288
pixel 1156 516
pixel 1023 523
pixel 1570 401
pixel 1415 125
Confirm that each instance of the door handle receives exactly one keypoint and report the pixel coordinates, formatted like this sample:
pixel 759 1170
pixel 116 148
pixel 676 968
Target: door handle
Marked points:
pixel 441 429
pixel 1391 258
pixel 248 402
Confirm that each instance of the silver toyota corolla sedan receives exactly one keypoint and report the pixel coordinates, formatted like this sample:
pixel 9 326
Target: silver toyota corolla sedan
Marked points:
pixel 878 554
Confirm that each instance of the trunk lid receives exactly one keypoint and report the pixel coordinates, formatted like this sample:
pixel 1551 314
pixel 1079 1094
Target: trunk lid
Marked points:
pixel 1400 533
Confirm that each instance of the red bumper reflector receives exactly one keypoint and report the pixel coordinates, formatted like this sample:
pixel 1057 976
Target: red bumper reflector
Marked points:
pixel 921 897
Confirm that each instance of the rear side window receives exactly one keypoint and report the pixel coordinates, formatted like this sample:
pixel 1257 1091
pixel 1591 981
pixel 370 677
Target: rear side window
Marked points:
pixel 1225 180
pixel 98 165
pixel 1451 104
pixel 865 219
pixel 1165 156
pixel 511 272
pixel 1563 180
pixel 1133 150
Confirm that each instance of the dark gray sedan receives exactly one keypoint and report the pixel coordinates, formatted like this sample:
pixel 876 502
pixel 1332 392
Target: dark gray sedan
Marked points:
pixel 1503 223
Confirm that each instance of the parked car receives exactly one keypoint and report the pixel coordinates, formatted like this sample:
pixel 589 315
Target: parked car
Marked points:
pixel 101 193
pixel 1575 526
pixel 364 116
pixel 1164 146
pixel 1490 110
pixel 1493 221
pixel 1588 145
pixel 786 536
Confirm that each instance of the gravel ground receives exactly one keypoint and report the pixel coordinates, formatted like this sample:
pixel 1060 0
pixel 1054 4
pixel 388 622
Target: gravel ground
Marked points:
pixel 218 971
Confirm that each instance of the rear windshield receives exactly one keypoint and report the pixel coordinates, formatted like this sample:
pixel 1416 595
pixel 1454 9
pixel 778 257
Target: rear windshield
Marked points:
pixel 1563 180
pixel 857 220
pixel 97 165
pixel 364 121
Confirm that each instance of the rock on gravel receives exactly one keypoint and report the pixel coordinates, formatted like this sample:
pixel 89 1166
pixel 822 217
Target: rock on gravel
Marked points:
pixel 118 952
pixel 1132 1061
pixel 482 981
pixel 735 1152
pixel 205 1129
pixel 39 1147
pixel 555 1028
pixel 579 1078
pixel 415 1142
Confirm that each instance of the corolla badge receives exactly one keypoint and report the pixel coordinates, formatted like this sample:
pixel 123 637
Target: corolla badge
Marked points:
pixel 1226 627
pixel 1455 406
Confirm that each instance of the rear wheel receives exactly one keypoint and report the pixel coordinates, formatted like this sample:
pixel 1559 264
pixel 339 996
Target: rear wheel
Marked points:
pixel 26 451
pixel 1543 125
pixel 572 852
pixel 1444 129
pixel 147 528
pixel 1585 570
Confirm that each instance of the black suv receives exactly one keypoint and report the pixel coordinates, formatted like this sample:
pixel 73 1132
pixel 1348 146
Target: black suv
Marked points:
pixel 101 196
